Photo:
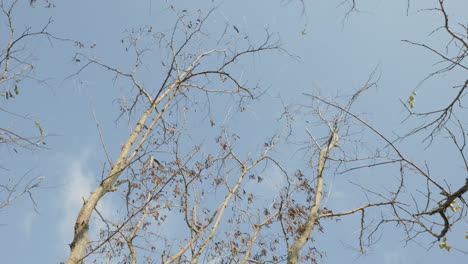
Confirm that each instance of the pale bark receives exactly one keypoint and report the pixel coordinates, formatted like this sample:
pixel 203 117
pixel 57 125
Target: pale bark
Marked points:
pixel 294 250
pixel 80 240
pixel 132 235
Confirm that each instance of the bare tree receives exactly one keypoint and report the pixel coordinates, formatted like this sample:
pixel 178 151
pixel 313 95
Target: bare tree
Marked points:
pixel 446 121
pixel 186 201
pixel 432 210
pixel 451 59
pixel 166 182
pixel 16 65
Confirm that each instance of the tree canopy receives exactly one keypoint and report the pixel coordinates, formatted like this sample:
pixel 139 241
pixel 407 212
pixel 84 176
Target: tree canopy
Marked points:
pixel 234 132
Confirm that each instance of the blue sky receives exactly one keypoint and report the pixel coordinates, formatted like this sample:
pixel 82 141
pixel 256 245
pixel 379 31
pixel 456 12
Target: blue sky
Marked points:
pixel 332 58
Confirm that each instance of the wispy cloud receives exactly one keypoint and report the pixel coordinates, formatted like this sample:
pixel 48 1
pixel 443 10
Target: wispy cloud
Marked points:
pixel 78 183
pixel 79 180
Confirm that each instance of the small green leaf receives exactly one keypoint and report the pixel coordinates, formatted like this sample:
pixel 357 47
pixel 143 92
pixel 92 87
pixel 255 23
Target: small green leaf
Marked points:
pixel 41 130
pixel 10 95
pixel 304 30
pixel 411 99
pixel 444 244
pixel 16 90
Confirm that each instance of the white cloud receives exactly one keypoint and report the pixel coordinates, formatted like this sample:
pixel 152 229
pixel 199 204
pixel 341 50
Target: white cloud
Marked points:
pixel 78 184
